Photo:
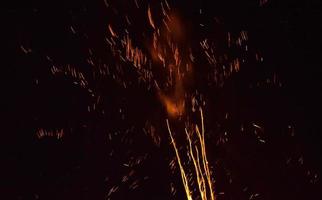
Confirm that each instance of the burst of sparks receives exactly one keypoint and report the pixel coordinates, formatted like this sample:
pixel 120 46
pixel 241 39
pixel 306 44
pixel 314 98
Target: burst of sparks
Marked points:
pixel 163 51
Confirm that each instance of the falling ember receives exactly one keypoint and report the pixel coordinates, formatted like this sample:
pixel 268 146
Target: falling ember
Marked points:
pixel 197 152
pixel 111 30
pixel 150 18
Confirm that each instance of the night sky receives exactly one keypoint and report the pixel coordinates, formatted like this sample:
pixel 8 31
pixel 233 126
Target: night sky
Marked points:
pixel 106 137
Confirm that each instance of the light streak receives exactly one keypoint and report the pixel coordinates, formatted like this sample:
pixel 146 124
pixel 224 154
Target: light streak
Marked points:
pixel 134 54
pixel 58 133
pixel 111 30
pixel 150 18
pixel 182 171
pixel 197 152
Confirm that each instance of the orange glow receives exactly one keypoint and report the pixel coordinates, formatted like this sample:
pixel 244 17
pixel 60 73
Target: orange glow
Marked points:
pixel 174 108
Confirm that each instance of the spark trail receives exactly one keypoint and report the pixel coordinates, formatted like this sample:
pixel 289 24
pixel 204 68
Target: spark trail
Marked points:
pixel 198 155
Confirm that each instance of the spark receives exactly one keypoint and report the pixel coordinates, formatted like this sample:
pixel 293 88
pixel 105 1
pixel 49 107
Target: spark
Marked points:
pixel 136 3
pixel 59 133
pixel 182 171
pixel 112 31
pixel 25 50
pixel 197 152
pixel 73 30
pixel 134 54
pixel 150 18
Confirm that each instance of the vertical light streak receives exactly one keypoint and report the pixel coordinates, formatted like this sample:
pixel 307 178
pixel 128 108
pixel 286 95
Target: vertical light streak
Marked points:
pixel 196 151
pixel 182 171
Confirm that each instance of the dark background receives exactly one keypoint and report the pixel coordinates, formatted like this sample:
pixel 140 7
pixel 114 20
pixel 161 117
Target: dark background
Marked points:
pixel 288 35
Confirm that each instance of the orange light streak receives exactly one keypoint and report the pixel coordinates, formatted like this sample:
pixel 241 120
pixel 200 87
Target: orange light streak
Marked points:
pixel 197 152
